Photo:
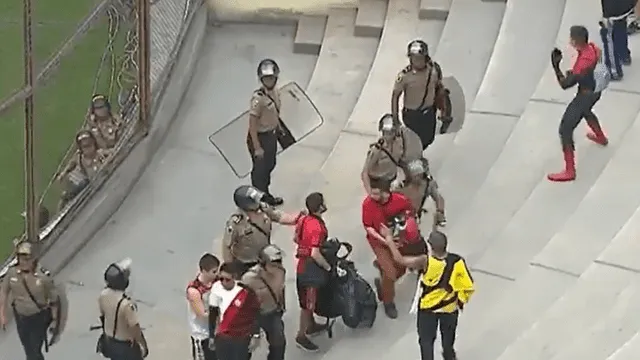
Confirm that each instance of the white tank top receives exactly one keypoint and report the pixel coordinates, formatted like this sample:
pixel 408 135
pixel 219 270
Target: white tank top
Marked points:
pixel 198 326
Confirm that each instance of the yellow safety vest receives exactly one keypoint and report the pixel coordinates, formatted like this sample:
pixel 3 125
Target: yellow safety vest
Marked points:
pixel 446 284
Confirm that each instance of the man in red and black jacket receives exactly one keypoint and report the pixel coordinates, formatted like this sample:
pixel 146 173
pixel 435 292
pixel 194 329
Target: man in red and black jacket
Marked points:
pixel 233 316
pixel 377 209
pixel 582 74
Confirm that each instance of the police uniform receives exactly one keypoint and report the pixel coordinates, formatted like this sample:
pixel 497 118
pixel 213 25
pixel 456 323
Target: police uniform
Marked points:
pixel 120 319
pixel 106 131
pixel 270 290
pixel 446 286
pixel 246 235
pixel 33 295
pixel 418 191
pixel 420 90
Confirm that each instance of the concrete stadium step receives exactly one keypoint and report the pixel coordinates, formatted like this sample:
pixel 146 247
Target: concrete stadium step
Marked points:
pixel 464 53
pixel 516 65
pixel 401 26
pixel 370 18
pixel 506 258
pixel 341 53
pixel 629 351
pixel 434 9
pixel 309 34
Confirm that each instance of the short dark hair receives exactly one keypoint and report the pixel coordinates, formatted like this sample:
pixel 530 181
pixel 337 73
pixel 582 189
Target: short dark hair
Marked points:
pixel 438 241
pixel 380 184
pixel 579 33
pixel 314 201
pixel 232 268
pixel 208 262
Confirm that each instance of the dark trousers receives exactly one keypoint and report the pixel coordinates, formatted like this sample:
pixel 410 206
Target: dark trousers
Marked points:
pixel 581 107
pixel 273 327
pixel 32 331
pixel 228 348
pixel 123 350
pixel 200 350
pixel 615 42
pixel 427 331
pixel 263 166
pixel 423 123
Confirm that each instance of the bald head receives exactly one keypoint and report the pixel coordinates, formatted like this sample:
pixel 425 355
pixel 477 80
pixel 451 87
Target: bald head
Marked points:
pixel 438 242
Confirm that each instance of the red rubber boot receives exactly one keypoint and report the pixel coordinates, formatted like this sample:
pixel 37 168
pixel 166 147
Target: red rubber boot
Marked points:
pixel 596 134
pixel 569 173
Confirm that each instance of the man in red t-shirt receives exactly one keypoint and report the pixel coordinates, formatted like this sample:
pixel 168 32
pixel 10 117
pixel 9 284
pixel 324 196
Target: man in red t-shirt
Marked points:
pixel 377 208
pixel 311 232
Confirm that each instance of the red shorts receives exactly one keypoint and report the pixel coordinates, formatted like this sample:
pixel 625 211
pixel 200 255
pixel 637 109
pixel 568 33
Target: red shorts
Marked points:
pixel 307 297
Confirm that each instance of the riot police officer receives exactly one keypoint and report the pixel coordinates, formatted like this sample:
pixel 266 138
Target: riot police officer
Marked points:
pixel 267 279
pixel 248 230
pixel 122 337
pixel 34 300
pixel 421 84
pixel 419 186
pixel 396 147
pixel 103 123
pixel 264 125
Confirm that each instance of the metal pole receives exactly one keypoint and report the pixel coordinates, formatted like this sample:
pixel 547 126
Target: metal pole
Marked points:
pixel 144 65
pixel 30 201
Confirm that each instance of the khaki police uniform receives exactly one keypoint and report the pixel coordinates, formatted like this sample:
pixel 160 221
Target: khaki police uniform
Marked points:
pixel 420 91
pixel 384 158
pixel 418 190
pixel 31 295
pixel 265 106
pixel 446 286
pixel 106 131
pixel 119 324
pixel 245 235
pixel 270 290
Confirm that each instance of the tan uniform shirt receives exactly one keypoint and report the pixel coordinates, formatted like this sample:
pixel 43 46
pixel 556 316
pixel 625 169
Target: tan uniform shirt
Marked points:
pixel 39 283
pixel 416 191
pixel 265 105
pixel 127 314
pixel 418 85
pixel 412 145
pixel 261 282
pixel 246 235
pixel 106 131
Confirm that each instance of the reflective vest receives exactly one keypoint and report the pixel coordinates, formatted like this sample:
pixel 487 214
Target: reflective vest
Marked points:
pixel 438 294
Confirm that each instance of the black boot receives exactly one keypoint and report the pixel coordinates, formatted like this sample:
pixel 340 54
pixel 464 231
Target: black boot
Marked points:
pixel 271 200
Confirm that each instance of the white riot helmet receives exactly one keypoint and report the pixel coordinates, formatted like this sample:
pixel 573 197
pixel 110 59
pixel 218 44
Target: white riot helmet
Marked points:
pixel 270 253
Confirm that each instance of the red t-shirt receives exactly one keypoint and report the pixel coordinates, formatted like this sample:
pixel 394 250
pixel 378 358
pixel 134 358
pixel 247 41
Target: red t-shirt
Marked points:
pixel 375 214
pixel 587 59
pixel 310 233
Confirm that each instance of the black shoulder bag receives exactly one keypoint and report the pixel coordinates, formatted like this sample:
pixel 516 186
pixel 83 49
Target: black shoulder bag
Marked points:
pixel 285 137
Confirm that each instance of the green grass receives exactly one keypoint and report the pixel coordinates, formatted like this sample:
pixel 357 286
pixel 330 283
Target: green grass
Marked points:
pixel 60 106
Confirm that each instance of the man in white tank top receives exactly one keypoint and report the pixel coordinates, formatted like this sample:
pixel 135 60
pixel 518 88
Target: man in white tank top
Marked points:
pixel 197 297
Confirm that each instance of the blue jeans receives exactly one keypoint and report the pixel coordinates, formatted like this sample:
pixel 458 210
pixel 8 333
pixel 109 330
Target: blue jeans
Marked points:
pixel 616 45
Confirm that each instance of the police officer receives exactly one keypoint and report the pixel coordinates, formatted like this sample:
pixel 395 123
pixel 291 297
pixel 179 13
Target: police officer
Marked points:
pixel 420 185
pixel 264 125
pixel 421 84
pixel 267 280
pixel 104 125
pixel 34 300
pixel 445 288
pixel 248 230
pixel 396 147
pixel 123 337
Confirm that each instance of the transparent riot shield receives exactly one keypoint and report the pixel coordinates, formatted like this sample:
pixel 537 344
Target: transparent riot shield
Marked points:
pixel 458 104
pixel 298 114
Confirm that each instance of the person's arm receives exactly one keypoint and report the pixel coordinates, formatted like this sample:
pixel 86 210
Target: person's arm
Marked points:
pixel 227 241
pixel 462 282
pixel 4 295
pixel 254 117
pixel 369 222
pixel 196 303
pixel 364 175
pixel 314 237
pixel 131 317
pixel 70 165
pixel 434 193
pixel 282 217
pixel 413 262
pixel 214 309
pixel 398 89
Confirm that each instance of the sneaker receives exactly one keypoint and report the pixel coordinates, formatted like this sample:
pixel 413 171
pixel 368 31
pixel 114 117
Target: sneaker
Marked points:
pixel 626 61
pixel 317 329
pixel 305 344
pixel 390 310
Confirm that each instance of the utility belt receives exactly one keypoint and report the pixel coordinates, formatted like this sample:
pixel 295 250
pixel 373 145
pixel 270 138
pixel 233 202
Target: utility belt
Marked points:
pixel 421 110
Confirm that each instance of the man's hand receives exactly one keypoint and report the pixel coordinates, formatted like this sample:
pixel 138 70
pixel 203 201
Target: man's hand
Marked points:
pixel 145 351
pixel 3 322
pixel 556 57
pixel 212 344
pixel 258 152
pixel 439 219
pixel 254 343
pixel 387 235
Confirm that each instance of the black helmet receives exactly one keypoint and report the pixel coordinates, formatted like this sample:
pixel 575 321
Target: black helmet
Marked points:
pixel 418 47
pixel 268 67
pixel 270 253
pixel 387 123
pixel 247 197
pixel 116 276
